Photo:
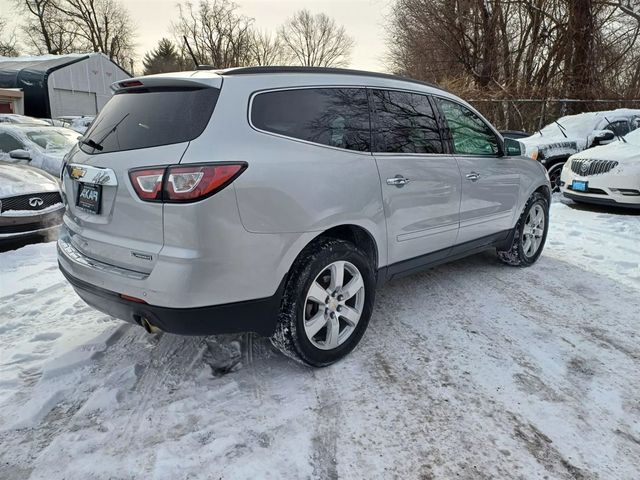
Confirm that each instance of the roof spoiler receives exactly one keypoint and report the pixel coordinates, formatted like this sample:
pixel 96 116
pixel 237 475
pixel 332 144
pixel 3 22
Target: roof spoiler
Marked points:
pixel 180 79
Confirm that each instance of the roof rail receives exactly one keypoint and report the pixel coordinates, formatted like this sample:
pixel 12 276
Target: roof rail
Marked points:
pixel 323 70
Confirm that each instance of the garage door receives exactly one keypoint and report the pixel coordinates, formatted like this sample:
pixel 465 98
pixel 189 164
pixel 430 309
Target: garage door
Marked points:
pixel 68 102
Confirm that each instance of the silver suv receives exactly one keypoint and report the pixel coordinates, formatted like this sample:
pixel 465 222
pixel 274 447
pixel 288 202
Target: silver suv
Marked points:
pixel 274 200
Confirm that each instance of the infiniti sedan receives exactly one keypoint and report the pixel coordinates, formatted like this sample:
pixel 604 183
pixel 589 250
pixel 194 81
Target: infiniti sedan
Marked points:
pixel 30 202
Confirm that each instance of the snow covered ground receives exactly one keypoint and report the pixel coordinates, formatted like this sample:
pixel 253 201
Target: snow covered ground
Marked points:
pixel 470 370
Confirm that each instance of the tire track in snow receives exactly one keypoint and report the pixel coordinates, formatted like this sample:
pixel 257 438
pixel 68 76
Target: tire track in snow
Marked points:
pixel 442 374
pixel 328 413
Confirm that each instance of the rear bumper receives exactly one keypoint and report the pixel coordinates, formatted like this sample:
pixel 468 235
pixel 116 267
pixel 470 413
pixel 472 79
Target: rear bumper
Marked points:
pixel 259 316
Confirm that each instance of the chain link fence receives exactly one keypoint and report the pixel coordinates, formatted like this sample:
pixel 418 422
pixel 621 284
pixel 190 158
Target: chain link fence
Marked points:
pixel 531 115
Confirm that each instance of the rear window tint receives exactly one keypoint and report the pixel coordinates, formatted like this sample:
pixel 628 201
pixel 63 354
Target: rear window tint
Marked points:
pixel 405 123
pixel 150 118
pixel 337 117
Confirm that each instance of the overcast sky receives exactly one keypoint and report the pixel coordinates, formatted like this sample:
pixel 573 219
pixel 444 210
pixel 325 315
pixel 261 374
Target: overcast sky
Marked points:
pixel 363 19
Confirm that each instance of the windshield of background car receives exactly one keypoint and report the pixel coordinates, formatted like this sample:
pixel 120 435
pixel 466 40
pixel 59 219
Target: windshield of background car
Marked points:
pixel 575 126
pixel 50 140
pixel 144 118
pixel 633 137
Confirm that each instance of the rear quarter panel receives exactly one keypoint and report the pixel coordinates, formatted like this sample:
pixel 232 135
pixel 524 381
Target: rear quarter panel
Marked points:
pixel 533 175
pixel 290 186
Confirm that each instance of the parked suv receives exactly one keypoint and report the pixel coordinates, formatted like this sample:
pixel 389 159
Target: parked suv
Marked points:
pixel 275 200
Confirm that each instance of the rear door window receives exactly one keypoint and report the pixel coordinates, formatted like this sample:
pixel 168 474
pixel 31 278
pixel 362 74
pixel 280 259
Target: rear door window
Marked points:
pixel 336 117
pixel 144 118
pixel 405 123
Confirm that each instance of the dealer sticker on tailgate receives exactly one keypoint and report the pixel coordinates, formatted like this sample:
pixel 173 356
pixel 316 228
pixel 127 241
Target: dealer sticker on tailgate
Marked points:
pixel 89 197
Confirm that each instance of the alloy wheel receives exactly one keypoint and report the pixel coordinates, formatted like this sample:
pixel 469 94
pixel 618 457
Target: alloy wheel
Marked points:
pixel 533 230
pixel 334 305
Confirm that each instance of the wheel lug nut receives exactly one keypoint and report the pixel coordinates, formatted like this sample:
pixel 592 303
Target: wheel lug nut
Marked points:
pixel 339 308
pixel 327 300
pixel 332 315
pixel 340 298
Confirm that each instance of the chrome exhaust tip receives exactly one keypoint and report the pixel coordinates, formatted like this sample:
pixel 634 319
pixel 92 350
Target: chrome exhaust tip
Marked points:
pixel 148 326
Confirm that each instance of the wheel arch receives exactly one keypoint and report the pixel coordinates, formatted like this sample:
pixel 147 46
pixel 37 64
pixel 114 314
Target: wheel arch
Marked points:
pixel 356 234
pixel 546 191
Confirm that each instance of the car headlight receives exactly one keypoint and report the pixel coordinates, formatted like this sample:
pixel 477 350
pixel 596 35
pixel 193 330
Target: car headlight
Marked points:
pixel 534 154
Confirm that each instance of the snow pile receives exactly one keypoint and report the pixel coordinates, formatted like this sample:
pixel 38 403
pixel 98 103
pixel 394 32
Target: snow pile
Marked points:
pixel 472 370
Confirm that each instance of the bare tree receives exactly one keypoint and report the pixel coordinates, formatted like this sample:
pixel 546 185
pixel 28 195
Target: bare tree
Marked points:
pixel 101 26
pixel 630 7
pixel 7 40
pixel 65 26
pixel 316 40
pixel 509 49
pixel 266 49
pixel 217 34
pixel 569 47
pixel 47 30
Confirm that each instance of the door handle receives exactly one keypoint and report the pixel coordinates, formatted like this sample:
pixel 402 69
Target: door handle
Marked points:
pixel 473 176
pixel 399 181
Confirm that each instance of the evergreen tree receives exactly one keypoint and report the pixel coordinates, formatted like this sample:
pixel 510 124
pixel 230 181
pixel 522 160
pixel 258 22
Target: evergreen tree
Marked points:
pixel 163 59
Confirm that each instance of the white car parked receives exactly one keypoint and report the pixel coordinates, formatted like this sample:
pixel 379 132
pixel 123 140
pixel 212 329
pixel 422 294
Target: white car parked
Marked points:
pixel 42 147
pixel 79 124
pixel 568 135
pixel 22 119
pixel 608 175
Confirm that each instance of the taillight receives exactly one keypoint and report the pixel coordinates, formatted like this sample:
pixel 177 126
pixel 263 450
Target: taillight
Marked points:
pixel 130 83
pixel 148 183
pixel 184 183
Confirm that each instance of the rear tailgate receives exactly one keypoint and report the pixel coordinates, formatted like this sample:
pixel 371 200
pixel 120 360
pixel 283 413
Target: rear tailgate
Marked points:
pixel 125 231
pixel 144 126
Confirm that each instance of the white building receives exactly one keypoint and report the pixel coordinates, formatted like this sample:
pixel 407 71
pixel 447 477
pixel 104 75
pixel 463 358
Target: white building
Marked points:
pixel 59 85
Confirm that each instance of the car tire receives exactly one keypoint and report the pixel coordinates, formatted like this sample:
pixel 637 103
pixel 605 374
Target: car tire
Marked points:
pixel 530 234
pixel 320 331
pixel 555 172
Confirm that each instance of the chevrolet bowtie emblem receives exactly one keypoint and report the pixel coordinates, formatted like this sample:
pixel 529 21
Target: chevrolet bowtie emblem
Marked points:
pixel 77 172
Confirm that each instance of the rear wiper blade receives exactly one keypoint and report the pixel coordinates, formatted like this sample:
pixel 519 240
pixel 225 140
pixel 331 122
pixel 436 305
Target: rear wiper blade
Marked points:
pixel 111 130
pixel 90 143
pixel 98 145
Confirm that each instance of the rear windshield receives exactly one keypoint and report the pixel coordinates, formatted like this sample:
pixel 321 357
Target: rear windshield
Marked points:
pixel 149 118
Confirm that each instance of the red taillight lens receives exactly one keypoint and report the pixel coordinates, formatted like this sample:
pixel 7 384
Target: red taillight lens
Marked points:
pixel 132 299
pixel 130 83
pixel 190 183
pixel 187 183
pixel 148 183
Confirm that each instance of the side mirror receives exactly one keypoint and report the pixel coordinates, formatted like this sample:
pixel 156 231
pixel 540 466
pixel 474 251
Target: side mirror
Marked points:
pixel 602 137
pixel 20 154
pixel 513 148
